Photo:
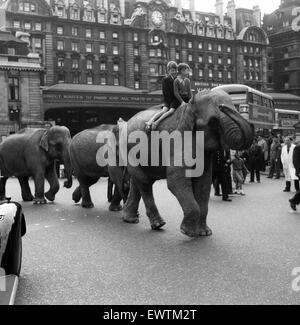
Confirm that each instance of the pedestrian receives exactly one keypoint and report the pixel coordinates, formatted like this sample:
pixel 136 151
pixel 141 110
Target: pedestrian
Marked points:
pixel 275 154
pixel 264 154
pixel 219 160
pixel 239 168
pixel 245 157
pixel 295 200
pixel 254 161
pixel 168 93
pixel 288 166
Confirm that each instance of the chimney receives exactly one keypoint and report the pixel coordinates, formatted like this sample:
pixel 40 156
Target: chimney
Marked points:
pixel 178 5
pixel 257 15
pixel 192 9
pixel 219 10
pixel 232 13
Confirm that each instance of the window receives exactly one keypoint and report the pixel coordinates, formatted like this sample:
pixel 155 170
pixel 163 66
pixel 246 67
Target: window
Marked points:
pixel 177 56
pixel 102 18
pixel 219 48
pixel 245 49
pixel 102 35
pixel 74 46
pixel 190 57
pixel 16 24
pixel 137 84
pixel 76 78
pixel 60 45
pixel 89 64
pixel 102 66
pixel 200 58
pixel 220 74
pixel 115 35
pixel 60 30
pixel 250 63
pixel 115 50
pixel 116 67
pixel 152 52
pixel 136 67
pixel 135 51
pixel 245 62
pixel 190 45
pixel 89 47
pixel 88 33
pixel 209 46
pixel 210 59
pixel 159 52
pixel 219 60
pixel 89 80
pixel 38 26
pixel 75 64
pixel 11 51
pixel 103 80
pixel 115 19
pixel 37 43
pixel 27 26
pixel 61 78
pixel 201 73
pixel 251 49
pixel 210 73
pixel 135 37
pixel 177 43
pixel 257 65
pixel 116 81
pixel 75 14
pixel 60 11
pixel 229 49
pixel 229 75
pixel 191 73
pixel 75 31
pixel 200 46
pixel 60 62
pixel 102 49
pixel 13 86
pixel 229 61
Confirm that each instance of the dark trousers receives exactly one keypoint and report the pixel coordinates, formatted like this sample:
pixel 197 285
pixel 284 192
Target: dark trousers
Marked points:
pixel 256 172
pixel 296 184
pixel 274 168
pixel 219 178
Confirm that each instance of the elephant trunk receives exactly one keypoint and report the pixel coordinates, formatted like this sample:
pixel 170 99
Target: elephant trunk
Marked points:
pixel 68 166
pixel 238 132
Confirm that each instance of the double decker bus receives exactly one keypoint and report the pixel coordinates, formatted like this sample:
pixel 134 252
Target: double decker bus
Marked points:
pixel 285 121
pixel 255 106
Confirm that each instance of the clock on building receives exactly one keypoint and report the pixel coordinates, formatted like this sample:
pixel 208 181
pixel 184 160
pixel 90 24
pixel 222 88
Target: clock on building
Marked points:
pixel 157 17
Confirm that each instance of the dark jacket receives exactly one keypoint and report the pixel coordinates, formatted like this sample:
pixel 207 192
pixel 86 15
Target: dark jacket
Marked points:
pixel 254 160
pixel 219 161
pixel 168 90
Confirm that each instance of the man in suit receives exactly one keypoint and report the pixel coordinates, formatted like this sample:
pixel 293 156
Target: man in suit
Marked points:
pixel 168 92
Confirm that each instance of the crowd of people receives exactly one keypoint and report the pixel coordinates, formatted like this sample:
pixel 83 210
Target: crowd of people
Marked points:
pixel 272 155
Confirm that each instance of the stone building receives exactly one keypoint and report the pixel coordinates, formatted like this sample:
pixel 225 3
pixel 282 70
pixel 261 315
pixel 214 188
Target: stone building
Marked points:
pixel 20 94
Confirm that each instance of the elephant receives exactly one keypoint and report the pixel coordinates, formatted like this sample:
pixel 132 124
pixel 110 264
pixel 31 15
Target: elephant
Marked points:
pixel 83 152
pixel 211 112
pixel 32 153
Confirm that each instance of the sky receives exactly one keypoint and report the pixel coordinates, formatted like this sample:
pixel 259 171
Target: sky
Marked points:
pixel 266 6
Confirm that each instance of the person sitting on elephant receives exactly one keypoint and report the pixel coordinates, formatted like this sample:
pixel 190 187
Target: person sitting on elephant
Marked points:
pixel 168 93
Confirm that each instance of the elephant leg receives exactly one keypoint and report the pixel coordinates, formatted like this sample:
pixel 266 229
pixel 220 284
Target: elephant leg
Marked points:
pixel 115 202
pixel 25 189
pixel 3 181
pixel 51 177
pixel 39 182
pixel 201 190
pixel 130 210
pixel 77 194
pixel 85 183
pixel 181 186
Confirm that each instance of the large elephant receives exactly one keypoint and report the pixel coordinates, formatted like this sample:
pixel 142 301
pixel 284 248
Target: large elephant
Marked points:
pixel 210 111
pixel 83 152
pixel 33 152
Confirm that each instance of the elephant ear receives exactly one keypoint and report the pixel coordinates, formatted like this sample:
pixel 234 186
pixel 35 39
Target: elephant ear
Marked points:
pixel 44 141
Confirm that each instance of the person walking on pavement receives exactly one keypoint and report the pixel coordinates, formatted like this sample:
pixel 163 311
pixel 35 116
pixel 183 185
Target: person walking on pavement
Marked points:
pixel 275 154
pixel 264 154
pixel 254 161
pixel 218 173
pixel 295 200
pixel 288 166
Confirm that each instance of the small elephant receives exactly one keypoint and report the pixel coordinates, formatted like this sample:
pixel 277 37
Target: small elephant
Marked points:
pixel 83 153
pixel 211 112
pixel 32 153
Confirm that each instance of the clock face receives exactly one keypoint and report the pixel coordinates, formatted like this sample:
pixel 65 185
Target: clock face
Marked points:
pixel 157 17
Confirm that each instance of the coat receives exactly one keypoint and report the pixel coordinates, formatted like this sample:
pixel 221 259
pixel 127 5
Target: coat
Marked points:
pixel 287 163
pixel 254 158
pixel 168 90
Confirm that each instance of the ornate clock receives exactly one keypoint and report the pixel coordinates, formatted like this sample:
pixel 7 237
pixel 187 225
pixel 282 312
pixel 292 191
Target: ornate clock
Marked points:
pixel 157 17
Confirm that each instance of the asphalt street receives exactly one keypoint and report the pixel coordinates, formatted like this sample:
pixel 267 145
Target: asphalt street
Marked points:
pixel 76 256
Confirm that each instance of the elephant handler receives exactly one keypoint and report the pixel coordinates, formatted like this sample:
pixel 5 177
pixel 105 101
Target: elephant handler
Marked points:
pixel 295 200
pixel 168 93
pixel 288 166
